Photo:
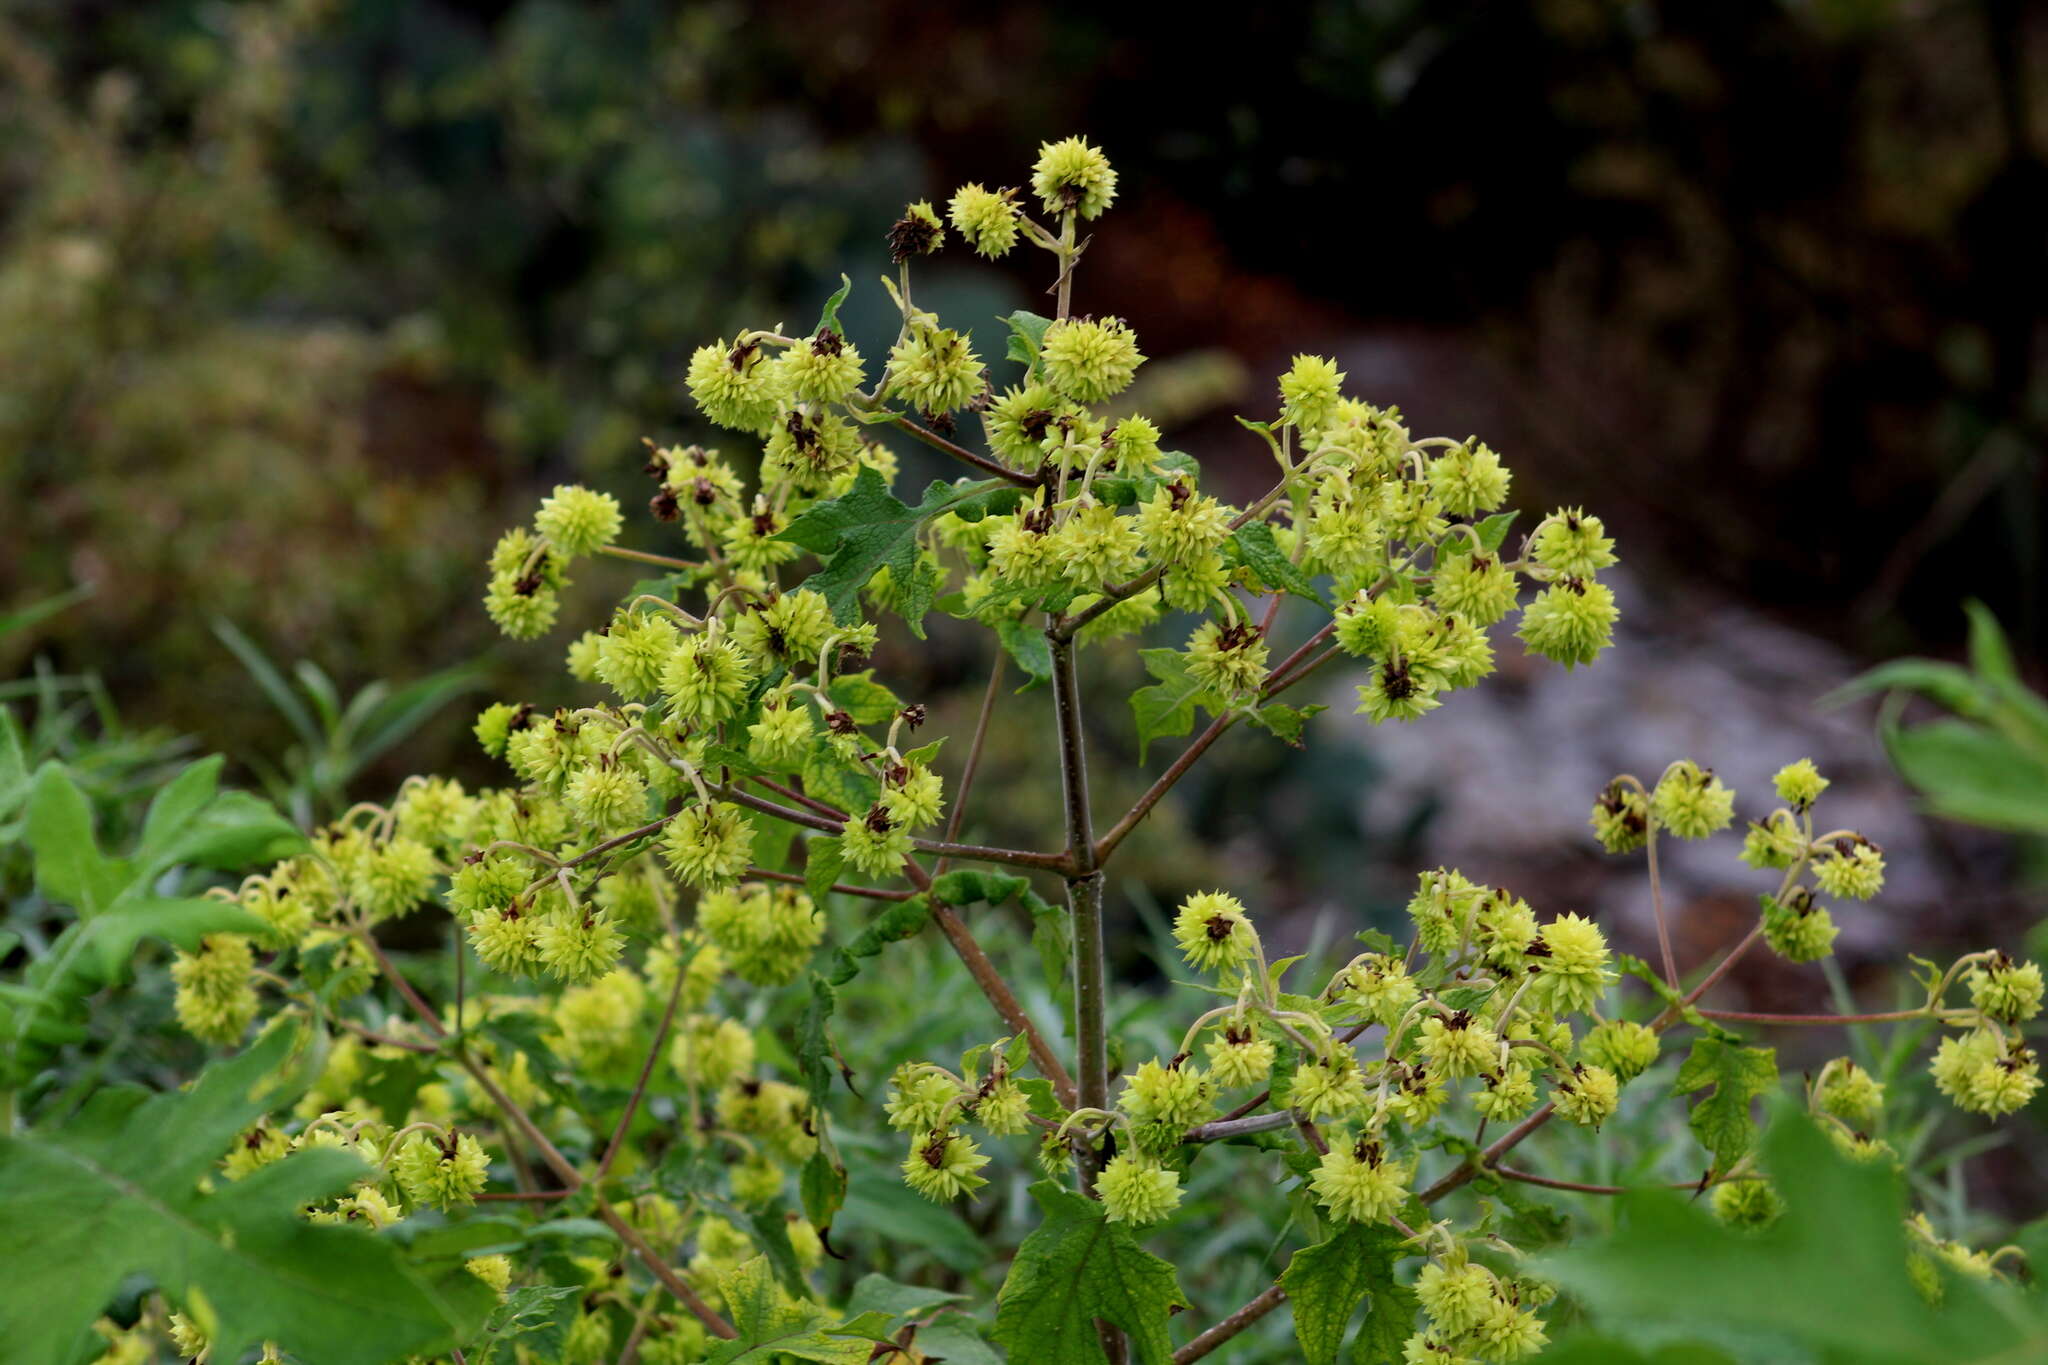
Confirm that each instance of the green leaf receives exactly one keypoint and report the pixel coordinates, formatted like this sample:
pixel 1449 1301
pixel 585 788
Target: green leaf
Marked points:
pixel 537 1316
pixel 1970 773
pixel 1285 722
pixel 822 862
pixel 1328 1281
pixel 1166 710
pixel 1052 938
pixel 69 867
pixel 957 1340
pixel 1491 532
pixel 822 1187
pixel 1256 547
pixel 116 1192
pixel 858 534
pixel 191 822
pixel 1029 647
pixel 831 779
pixel 867 701
pixel 772 1324
pixel 902 920
pixel 829 319
pixel 874 1293
pixel 814 1042
pixel 1027 337
pixel 1077 1267
pixel 1953 687
pixel 1649 976
pixel 1738 1075
pixel 971 886
pixel 1829 1276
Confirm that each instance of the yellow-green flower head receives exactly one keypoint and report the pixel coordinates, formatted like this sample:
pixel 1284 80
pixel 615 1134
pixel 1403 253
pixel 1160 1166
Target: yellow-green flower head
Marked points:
pixel 219 966
pixel 254 1150
pixel 1850 868
pixel 943 1166
pixel 789 630
pixel 1228 659
pixel 708 846
pixel 1177 1096
pixel 2003 1085
pixel 1572 970
pixel 986 218
pixel 1469 479
pixel 1095 546
pixel 1508 1333
pixel 594 1023
pixel 494 726
pixel 706 679
pixel 1367 626
pixel 735 386
pixel 495 1271
pixel 1776 841
pixel 1137 1189
pixel 1425 1348
pixel 577 521
pixel 1088 361
pixel 1354 1181
pixel 1181 526
pixel 750 541
pixel 366 1207
pixel 781 738
pixel 1309 392
pixel 1329 1087
pixel 1018 422
pixel 1071 176
pixel 272 901
pixel 1850 1093
pixel 436 811
pixel 1621 818
pixel 588 1340
pixel 1395 691
pixel 934 369
pixel 1691 802
pixel 1572 545
pixel 1442 909
pixel 919 1101
pixel 708 1052
pixel 1214 933
pixel 1005 1111
pixel 524 608
pixel 1506 1095
pixel 1193 587
pixel 1345 535
pixel 1457 1298
pixel 606 796
pixel 825 369
pixel 1475 587
pixel 914 796
pixel 874 843
pixel 505 940
pixel 1799 784
pixel 810 448
pixel 1459 1045
pixel 1410 512
pixel 2008 991
pixel 754 1182
pixel 1569 622
pixel 1021 552
pixel 1747 1204
pixel 1132 444
pixel 1379 987
pixel 441 1173
pixel 1626 1048
pixel 1797 929
pixel 1239 1058
pixel 1588 1096
pixel 578 947
pixel 1506 928
pixel 1422 1094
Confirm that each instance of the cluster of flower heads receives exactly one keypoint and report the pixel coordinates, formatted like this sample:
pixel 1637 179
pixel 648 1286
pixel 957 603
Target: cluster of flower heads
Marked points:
pixel 613 888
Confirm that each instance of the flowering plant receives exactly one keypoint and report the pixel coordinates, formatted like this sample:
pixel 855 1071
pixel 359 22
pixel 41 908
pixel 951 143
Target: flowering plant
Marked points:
pixel 668 851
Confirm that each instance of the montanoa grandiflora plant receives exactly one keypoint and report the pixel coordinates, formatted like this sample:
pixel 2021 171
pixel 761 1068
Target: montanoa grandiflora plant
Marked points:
pixel 668 848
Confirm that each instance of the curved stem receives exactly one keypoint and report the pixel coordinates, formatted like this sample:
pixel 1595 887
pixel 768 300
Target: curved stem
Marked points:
pixel 1230 1326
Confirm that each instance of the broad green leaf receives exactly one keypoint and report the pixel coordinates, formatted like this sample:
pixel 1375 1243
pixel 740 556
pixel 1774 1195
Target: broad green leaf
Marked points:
pixel 869 527
pixel 829 778
pixel 1028 646
pixel 1830 1276
pixel 874 1293
pixel 1166 710
pixel 867 701
pixel 116 1191
pixel 14 778
pixel 822 1187
pixel 1283 721
pixel 191 822
pixel 1970 773
pixel 1328 1281
pixel 69 867
pixel 1948 684
pixel 773 1325
pixel 1738 1075
pixel 957 1340
pixel 1256 547
pixel 822 862
pixel 1027 336
pixel 1077 1267
pixel 538 1317
pixel 972 885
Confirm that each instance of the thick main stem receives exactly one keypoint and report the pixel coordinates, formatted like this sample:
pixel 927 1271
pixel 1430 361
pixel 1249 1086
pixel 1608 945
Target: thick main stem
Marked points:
pixel 1084 897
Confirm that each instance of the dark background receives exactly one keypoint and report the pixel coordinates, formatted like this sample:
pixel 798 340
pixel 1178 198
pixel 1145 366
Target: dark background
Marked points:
pixel 301 303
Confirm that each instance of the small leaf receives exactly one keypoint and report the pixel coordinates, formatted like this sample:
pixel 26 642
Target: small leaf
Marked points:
pixel 1166 710
pixel 902 920
pixel 1029 647
pixel 1027 337
pixel 867 701
pixel 829 319
pixel 1738 1075
pixel 857 534
pixel 1256 547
